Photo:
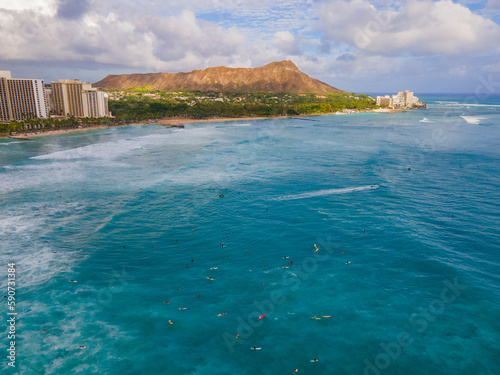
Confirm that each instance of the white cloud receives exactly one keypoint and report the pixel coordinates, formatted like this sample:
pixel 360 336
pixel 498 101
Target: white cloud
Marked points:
pixel 42 6
pixel 285 42
pixel 417 27
pixel 143 40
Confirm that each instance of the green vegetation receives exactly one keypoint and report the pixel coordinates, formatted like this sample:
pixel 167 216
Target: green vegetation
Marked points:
pixel 135 104
pixel 142 103
pixel 34 125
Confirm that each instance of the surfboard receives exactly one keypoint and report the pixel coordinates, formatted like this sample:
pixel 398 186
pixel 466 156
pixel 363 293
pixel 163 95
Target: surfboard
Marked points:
pixel 255 348
pixel 260 317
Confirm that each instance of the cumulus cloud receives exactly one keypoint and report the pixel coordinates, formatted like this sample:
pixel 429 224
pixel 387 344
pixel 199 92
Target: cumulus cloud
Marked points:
pixel 336 41
pixel 285 42
pixel 140 40
pixel 417 27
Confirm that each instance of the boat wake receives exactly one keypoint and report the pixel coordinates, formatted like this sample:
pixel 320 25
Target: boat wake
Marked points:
pixel 474 120
pixel 320 193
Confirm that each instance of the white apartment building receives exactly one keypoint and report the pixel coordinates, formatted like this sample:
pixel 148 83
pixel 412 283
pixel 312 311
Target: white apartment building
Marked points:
pixel 74 98
pixel 21 98
pixel 404 99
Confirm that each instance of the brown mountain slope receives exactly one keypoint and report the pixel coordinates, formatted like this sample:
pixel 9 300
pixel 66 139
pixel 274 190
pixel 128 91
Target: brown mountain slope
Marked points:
pixel 274 77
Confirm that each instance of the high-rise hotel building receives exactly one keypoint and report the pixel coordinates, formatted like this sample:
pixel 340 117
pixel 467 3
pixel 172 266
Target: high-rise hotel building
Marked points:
pixel 21 99
pixel 74 98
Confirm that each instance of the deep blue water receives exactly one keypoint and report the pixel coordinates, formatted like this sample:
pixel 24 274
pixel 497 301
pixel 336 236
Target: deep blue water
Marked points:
pixel 133 214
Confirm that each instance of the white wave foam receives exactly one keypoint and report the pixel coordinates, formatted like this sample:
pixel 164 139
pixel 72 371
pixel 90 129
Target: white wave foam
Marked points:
pixel 425 119
pixel 480 105
pixel 474 120
pixel 457 104
pixel 112 149
pixel 319 193
pixel 10 143
pixel 22 227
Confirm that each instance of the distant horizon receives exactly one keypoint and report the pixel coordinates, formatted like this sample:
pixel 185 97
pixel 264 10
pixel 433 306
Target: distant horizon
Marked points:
pixel 371 93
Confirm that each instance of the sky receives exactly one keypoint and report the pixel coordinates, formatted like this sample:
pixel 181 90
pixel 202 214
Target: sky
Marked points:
pixel 363 46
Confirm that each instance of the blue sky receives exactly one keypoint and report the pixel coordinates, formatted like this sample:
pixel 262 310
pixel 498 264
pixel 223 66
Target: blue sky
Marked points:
pixel 359 46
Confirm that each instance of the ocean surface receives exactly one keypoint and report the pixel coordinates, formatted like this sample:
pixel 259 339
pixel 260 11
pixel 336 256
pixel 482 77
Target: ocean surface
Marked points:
pixel 369 241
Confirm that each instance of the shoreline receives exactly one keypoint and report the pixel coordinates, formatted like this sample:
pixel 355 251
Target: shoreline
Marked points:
pixel 180 122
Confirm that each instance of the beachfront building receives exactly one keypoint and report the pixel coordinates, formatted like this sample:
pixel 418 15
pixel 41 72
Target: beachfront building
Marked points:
pixel 79 99
pixel 21 98
pixel 404 99
pixel 95 103
pixel 384 101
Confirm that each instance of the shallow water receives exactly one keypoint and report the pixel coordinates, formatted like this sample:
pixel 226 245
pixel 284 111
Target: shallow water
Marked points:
pixel 139 215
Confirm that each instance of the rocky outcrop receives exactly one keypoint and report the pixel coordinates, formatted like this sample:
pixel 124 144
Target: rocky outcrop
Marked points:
pixel 282 76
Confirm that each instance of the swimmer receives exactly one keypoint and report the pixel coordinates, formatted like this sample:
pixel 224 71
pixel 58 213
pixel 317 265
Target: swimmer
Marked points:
pixel 81 347
pixel 192 229
pixel 166 303
pixel 237 335
pixel 285 266
pixel 44 330
pixel 222 314
pixel 182 308
pixel 198 296
pixel 72 281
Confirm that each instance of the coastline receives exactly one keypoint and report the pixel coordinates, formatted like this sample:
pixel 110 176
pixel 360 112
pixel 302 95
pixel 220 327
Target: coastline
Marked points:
pixel 174 122
pixel 179 122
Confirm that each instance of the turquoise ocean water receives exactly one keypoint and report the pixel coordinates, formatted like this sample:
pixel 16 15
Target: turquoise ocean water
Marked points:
pixel 140 216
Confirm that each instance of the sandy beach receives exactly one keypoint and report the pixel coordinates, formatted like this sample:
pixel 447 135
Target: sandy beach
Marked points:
pixel 176 122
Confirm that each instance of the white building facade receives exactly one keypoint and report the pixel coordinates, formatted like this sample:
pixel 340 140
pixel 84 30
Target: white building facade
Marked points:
pixel 74 98
pixel 404 99
pixel 21 99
